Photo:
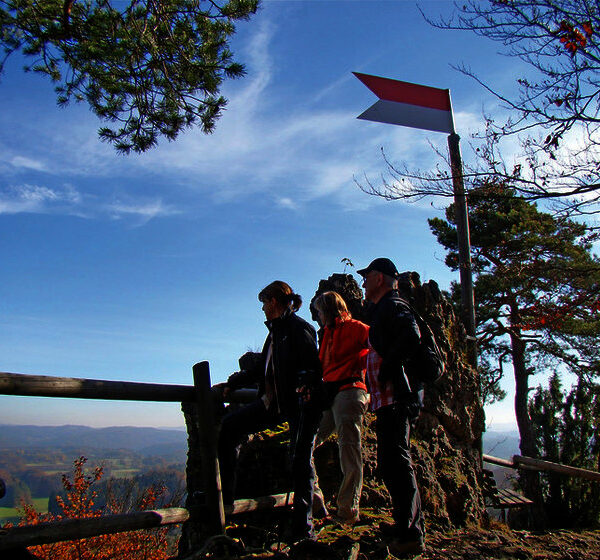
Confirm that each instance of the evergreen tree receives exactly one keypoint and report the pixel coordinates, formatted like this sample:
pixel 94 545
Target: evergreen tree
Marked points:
pixel 567 429
pixel 536 291
pixel 153 67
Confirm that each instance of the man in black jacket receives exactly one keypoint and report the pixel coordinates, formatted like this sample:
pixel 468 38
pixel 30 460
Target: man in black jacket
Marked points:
pixel 288 372
pixel 396 397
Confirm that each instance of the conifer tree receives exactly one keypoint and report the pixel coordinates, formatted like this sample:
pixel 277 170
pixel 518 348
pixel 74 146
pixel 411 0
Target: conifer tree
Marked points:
pixel 149 67
pixel 536 291
pixel 567 430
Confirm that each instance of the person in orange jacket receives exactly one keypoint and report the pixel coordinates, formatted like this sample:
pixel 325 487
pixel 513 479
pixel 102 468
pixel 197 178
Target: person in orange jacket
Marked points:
pixel 343 355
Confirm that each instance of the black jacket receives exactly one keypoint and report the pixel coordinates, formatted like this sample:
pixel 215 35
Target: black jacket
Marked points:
pixel 295 362
pixel 395 336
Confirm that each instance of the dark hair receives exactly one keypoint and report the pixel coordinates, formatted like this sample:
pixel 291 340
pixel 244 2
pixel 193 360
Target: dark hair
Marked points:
pixel 283 294
pixel 331 305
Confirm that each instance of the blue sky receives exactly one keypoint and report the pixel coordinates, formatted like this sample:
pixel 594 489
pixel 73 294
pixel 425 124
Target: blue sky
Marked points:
pixel 136 267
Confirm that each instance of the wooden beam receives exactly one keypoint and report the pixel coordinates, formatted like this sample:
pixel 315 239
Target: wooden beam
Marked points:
pixel 240 396
pixel 539 465
pixel 256 504
pixel 506 498
pixel 78 388
pixel 214 520
pixel 72 529
pixel 522 462
pixel 498 461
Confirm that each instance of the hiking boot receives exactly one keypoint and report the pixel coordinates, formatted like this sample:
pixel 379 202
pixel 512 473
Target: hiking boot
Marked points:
pixel 401 548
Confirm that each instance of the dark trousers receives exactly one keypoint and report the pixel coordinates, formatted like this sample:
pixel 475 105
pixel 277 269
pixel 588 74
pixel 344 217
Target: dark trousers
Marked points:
pixel 395 466
pixel 253 418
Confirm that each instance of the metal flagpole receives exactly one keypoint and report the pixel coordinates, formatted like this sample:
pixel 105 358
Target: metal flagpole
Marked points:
pixel 429 108
pixel 464 245
pixel 461 217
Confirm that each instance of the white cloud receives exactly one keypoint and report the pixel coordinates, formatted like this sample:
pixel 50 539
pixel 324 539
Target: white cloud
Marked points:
pixel 67 200
pixel 143 210
pixel 260 61
pixel 27 163
pixel 288 203
pixel 331 88
pixel 296 153
pixel 36 199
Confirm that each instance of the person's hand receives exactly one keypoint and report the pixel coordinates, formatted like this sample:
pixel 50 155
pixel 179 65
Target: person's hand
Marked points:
pixel 304 392
pixel 224 388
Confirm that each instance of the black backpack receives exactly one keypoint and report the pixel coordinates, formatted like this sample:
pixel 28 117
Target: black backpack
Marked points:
pixel 428 363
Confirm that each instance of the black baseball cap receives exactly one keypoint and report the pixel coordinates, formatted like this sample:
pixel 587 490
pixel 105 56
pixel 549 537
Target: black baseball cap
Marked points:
pixel 386 266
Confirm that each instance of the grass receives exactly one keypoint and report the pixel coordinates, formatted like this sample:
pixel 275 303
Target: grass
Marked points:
pixel 12 514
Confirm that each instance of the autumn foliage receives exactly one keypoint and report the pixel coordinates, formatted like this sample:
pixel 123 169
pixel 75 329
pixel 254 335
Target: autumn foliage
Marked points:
pixel 573 38
pixel 79 503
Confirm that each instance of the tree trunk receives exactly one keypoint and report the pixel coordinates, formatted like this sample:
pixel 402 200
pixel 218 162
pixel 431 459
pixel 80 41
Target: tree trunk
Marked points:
pixel 530 480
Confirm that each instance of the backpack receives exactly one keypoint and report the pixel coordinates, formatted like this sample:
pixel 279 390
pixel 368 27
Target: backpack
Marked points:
pixel 428 362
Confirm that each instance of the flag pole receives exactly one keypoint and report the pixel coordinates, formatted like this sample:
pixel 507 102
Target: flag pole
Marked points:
pixel 464 245
pixel 419 106
pixel 461 218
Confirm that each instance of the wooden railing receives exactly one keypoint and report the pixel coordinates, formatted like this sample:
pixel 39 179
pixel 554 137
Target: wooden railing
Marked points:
pixel 72 529
pixel 204 514
pixel 529 463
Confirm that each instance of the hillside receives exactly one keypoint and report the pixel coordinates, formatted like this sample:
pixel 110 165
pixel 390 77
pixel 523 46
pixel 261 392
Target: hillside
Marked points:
pixel 146 441
pixel 503 444
pixel 163 442
pixel 495 541
pixel 33 458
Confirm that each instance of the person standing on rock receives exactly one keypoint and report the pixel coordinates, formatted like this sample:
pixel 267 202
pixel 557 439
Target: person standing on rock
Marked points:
pixel 288 372
pixel 343 356
pixel 396 399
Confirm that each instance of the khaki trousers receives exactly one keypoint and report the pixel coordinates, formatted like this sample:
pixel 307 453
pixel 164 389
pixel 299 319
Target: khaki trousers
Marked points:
pixel 345 417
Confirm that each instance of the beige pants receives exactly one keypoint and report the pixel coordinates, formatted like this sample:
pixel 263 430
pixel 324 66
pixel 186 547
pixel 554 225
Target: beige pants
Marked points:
pixel 345 417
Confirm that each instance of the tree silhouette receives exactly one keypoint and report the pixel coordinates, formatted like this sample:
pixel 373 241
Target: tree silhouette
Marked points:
pixel 152 67
pixel 556 111
pixel 537 288
pixel 567 430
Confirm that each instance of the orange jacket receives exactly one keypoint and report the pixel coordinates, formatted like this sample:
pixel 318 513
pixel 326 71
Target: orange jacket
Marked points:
pixel 343 352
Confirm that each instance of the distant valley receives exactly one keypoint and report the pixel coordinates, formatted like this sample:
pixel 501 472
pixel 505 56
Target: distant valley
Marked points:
pixel 501 444
pixel 33 458
pixel 171 444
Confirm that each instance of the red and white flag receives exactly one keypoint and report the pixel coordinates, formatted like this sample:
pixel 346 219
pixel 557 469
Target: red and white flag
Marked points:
pixel 408 104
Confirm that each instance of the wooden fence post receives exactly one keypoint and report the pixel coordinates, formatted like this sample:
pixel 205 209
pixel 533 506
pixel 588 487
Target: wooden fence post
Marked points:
pixel 215 514
pixel 204 500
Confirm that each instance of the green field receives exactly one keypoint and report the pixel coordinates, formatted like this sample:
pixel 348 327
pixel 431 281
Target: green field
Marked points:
pixel 124 473
pixel 11 514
